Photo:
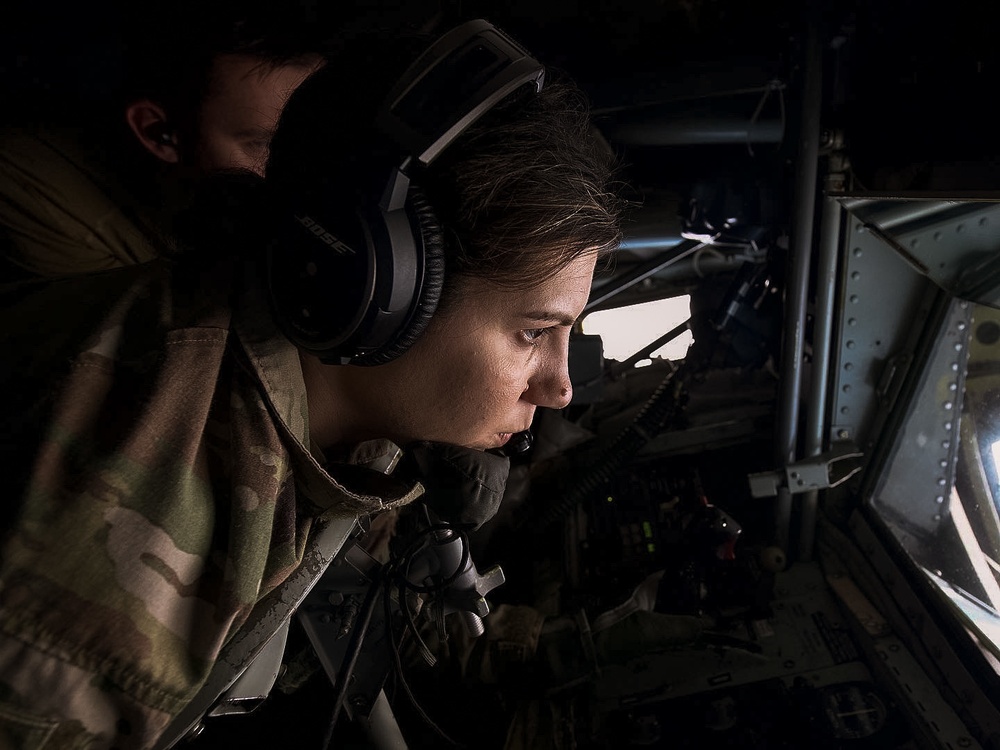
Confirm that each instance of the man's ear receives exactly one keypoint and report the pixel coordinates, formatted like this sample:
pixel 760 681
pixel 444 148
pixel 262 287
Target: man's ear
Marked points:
pixel 148 121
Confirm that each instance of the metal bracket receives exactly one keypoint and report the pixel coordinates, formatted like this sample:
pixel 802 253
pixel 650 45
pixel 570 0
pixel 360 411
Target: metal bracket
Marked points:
pixel 253 686
pixel 329 614
pixel 820 472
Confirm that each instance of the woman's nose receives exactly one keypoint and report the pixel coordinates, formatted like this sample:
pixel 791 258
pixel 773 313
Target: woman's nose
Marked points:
pixel 550 386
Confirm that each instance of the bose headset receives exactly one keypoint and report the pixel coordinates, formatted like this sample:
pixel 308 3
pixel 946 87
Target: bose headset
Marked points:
pixel 355 270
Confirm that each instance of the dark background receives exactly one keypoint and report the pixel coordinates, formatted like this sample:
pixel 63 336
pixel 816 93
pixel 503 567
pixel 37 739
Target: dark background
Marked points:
pixel 911 83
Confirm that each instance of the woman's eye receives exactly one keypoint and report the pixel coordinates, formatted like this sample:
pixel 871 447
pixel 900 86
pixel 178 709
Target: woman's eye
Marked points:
pixel 533 335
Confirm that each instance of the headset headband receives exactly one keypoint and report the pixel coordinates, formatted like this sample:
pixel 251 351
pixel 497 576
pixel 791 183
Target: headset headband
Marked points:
pixel 458 79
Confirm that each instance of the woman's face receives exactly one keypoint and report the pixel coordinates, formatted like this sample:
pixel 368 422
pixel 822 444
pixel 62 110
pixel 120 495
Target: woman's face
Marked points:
pixel 477 373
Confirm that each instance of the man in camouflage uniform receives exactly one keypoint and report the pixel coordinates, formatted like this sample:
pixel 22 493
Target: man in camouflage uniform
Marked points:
pixel 88 184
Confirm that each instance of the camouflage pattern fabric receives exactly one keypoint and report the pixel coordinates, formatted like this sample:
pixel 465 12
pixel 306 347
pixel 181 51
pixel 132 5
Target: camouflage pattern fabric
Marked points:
pixel 159 487
pixel 58 216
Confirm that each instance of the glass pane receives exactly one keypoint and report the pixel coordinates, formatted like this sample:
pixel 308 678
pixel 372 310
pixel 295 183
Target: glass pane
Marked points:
pixel 940 488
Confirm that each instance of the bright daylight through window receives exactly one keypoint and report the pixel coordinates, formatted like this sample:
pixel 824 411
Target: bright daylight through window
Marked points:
pixel 626 330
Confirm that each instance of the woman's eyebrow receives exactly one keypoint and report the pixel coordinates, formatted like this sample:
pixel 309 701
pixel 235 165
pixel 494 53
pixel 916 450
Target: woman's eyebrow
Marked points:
pixel 549 316
pixel 255 131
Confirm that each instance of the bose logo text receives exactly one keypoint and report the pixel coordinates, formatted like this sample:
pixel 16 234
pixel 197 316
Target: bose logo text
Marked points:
pixel 320 231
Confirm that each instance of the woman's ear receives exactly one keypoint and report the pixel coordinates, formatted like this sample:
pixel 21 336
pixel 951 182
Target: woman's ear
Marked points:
pixel 148 121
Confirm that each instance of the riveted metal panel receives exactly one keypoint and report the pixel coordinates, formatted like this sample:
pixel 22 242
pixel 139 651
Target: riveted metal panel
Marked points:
pixel 882 300
pixel 946 239
pixel 915 486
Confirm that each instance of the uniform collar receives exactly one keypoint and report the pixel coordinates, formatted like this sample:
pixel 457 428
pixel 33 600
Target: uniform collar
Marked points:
pixel 358 484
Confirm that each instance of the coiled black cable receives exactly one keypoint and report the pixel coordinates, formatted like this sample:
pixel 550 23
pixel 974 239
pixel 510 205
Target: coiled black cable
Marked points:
pixel 395 575
pixel 398 573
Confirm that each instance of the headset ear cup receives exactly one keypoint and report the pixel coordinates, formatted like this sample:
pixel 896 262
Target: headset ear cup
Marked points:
pixel 429 294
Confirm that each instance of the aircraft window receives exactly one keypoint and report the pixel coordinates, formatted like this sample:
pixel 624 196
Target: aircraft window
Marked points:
pixel 626 330
pixel 940 491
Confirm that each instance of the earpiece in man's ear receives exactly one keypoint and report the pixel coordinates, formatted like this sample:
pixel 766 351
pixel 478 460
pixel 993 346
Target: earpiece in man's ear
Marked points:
pixel 166 136
pixel 149 123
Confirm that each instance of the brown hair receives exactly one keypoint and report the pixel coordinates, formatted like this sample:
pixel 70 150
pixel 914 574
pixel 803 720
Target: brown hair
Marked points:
pixel 526 190
pixel 523 192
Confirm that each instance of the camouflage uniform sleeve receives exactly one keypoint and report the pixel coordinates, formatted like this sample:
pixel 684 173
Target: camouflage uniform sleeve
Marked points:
pixel 163 502
pixel 113 601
